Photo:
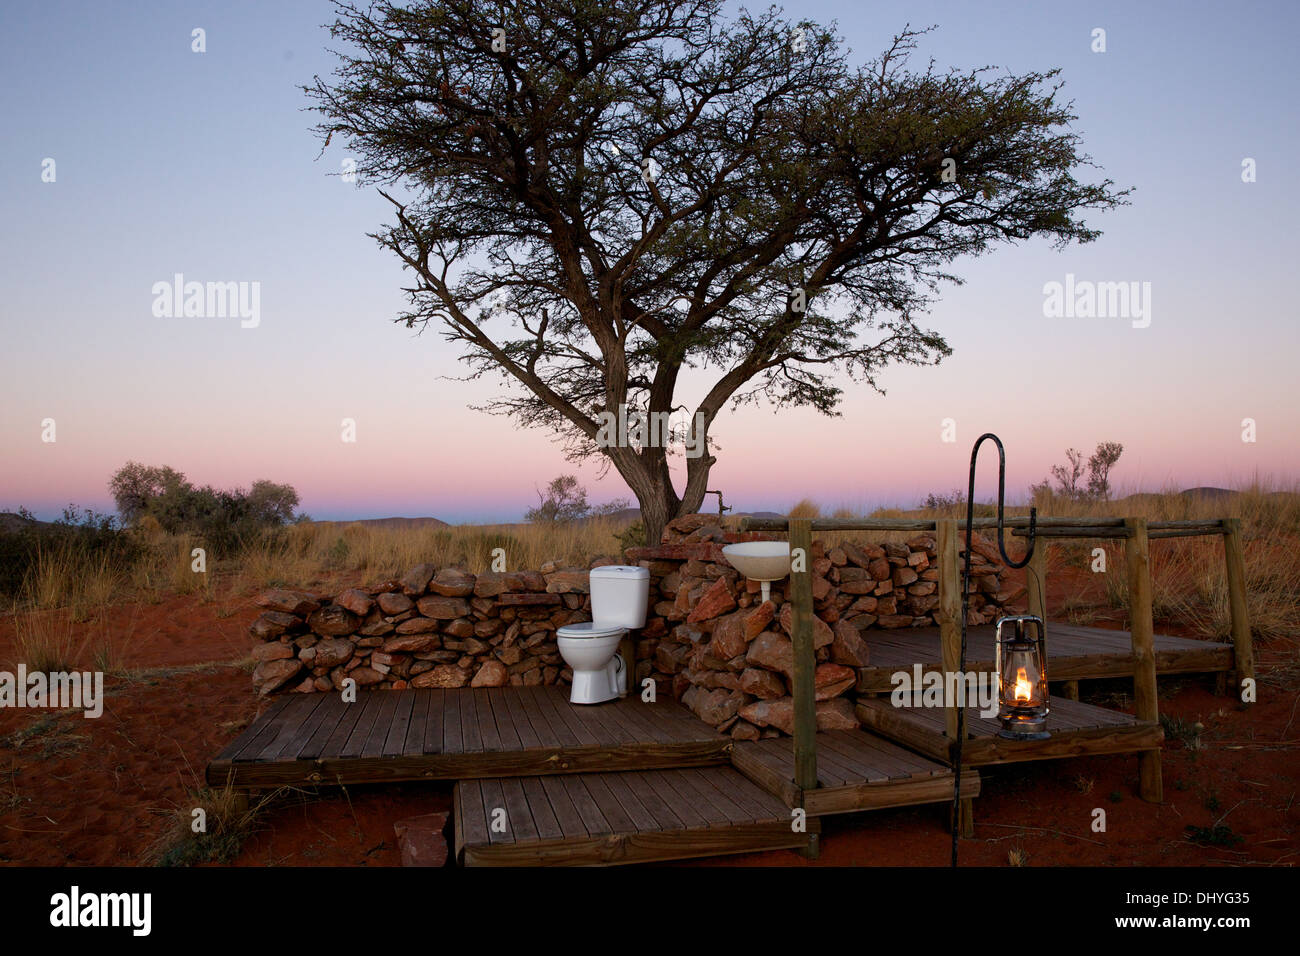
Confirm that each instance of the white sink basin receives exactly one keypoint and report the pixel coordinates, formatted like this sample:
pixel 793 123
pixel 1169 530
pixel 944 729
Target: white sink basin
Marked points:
pixel 762 561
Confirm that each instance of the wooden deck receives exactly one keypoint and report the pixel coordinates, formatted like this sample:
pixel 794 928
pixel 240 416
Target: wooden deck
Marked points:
pixel 855 771
pixel 427 734
pixel 1073 653
pixel 1077 729
pixel 615 818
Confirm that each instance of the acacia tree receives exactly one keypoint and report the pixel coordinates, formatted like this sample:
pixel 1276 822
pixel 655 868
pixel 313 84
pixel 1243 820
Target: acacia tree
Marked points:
pixel 595 196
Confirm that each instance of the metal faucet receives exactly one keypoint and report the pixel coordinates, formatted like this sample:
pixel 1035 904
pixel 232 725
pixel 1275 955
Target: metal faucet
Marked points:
pixel 721 507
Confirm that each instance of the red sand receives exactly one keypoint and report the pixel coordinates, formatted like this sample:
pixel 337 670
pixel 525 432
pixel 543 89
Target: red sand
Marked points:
pixel 101 791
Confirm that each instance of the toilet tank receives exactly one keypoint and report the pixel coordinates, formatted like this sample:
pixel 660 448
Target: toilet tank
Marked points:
pixel 619 595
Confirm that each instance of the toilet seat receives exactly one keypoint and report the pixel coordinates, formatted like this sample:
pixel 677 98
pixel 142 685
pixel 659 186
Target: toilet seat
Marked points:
pixel 589 629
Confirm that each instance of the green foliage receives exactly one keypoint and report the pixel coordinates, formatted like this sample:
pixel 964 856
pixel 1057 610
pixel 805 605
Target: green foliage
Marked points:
pixel 633 536
pixel 80 537
pixel 566 500
pixel 223 520
pixel 1070 482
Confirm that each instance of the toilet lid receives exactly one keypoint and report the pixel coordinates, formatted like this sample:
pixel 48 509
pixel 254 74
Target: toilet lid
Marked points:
pixel 589 629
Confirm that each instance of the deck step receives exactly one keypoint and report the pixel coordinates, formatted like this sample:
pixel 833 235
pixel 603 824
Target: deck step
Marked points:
pixel 432 734
pixel 607 819
pixel 856 770
pixel 1076 729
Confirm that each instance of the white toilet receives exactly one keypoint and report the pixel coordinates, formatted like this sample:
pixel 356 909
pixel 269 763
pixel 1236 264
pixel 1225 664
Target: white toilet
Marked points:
pixel 619 596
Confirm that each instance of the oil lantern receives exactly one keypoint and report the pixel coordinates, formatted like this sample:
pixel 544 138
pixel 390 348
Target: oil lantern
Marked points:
pixel 1022 677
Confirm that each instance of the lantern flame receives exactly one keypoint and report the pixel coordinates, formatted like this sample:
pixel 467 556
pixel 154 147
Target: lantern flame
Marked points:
pixel 1024 689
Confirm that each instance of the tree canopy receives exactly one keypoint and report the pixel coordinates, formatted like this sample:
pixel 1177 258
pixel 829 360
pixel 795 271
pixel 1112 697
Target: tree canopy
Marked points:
pixel 592 197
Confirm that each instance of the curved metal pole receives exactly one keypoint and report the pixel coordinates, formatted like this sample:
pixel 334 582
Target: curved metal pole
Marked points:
pixel 965 602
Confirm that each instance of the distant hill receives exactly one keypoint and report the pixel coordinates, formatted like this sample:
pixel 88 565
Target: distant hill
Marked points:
pixel 11 522
pixel 392 522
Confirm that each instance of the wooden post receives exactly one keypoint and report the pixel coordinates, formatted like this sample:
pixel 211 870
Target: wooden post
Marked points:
pixel 1138 559
pixel 805 660
pixel 950 639
pixel 1243 651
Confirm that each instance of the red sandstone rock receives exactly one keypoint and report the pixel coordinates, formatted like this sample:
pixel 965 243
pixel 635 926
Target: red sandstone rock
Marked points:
pixel 831 714
pixel 879 568
pixel 299 603
pixel 270 676
pixel 904 576
pixel 271 624
pixel 333 620
pixel 452 582
pixel 421 839
pixel 356 600
pixel 442 608
pixel 831 680
pixel 761 683
pixel 416 581
pixel 332 652
pixel 489 585
pixel 365 676
pixel 848 647
pixel 417 625
pixel 491 674
pixel 443 675
pixel 273 651
pixel 772 651
pixel 394 602
pixel 822 635
pixel 717 600
pixel 569 582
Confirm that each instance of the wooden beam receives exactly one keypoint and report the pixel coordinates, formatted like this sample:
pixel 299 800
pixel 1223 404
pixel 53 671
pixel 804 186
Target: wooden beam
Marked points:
pixel 805 660
pixel 1141 626
pixel 1242 643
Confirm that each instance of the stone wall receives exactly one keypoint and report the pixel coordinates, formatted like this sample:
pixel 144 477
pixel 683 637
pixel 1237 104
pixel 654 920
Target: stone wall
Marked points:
pixel 431 628
pixel 728 656
pixel 709 639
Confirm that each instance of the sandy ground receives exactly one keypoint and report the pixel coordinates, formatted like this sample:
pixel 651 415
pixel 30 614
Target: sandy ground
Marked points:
pixel 79 791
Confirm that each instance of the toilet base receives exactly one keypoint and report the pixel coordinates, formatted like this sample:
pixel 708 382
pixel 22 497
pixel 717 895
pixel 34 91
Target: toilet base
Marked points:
pixel 598 686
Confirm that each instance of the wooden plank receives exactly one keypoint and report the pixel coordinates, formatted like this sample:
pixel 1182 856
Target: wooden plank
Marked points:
pixel 494 802
pixel 566 814
pixel 421 698
pixel 471 734
pixel 504 720
pixel 373 744
pixel 247 735
pixel 643 818
pixel 339 738
pixel 690 815
pixel 343 713
pixel 470 813
pixel 451 723
pixel 588 809
pixel 434 731
pixel 265 728
pixel 325 712
pixel 539 805
pixel 487 720
pixel 1145 699
pixel 519 811
pixel 395 740
pixel 615 814
pixel 805 662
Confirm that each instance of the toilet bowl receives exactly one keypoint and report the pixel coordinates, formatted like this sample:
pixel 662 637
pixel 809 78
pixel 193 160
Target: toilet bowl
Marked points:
pixel 619 596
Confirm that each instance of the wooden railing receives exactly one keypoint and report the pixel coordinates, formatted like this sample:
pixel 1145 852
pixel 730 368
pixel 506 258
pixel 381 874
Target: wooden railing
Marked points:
pixel 1136 533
